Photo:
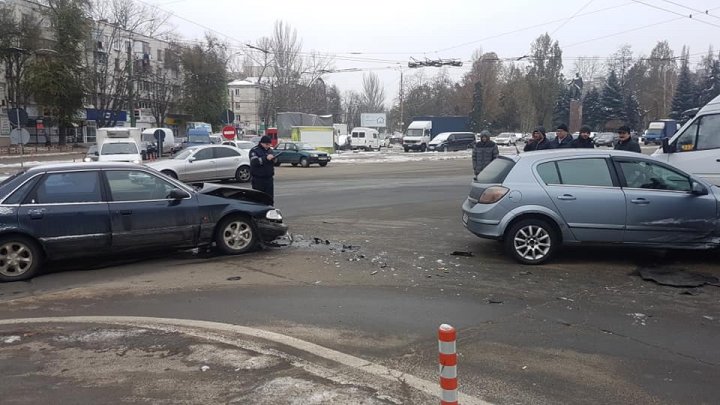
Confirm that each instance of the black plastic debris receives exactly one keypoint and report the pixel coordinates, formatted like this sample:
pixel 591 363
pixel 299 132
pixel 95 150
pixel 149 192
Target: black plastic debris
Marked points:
pixel 461 253
pixel 234 278
pixel 676 277
pixel 494 301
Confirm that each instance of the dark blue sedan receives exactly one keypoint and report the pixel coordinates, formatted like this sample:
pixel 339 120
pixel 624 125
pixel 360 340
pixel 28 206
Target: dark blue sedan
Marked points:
pixel 91 209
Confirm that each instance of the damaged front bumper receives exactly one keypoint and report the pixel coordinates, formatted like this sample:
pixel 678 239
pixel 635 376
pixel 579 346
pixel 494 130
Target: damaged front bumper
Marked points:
pixel 269 230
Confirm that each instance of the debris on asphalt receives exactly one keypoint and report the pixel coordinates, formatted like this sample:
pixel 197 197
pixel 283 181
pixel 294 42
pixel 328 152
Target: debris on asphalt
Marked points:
pixel 11 339
pixel 205 368
pixel 676 277
pixel 566 299
pixel 461 253
pixel 708 317
pixel 691 291
pixel 524 367
pixel 638 318
pixel 374 273
pixel 494 301
pixel 234 278
pixel 525 273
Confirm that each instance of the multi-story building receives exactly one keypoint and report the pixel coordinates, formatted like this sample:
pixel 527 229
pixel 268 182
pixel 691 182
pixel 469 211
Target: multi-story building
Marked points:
pixel 132 79
pixel 247 98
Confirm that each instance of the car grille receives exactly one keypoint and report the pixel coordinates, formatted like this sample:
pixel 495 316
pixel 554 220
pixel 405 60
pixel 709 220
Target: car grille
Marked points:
pixel 409 142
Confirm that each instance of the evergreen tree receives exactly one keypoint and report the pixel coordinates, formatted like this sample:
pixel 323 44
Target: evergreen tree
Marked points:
pixel 709 86
pixel 476 117
pixel 612 99
pixel 633 115
pixel 684 98
pixel 593 115
pixel 561 113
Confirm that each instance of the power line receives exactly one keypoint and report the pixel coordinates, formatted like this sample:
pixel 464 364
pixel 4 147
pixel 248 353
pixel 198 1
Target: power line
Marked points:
pixel 676 13
pixel 706 12
pixel 624 32
pixel 542 24
pixel 571 17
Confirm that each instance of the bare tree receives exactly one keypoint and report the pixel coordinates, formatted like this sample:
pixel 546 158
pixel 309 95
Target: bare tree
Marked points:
pixel 621 61
pixel 19 36
pixel 588 68
pixel 132 16
pixel 373 96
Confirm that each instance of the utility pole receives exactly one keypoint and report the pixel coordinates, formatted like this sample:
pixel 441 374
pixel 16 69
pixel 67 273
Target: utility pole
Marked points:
pixel 131 95
pixel 402 119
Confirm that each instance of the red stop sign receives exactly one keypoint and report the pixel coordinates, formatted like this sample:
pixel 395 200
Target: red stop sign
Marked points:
pixel 228 132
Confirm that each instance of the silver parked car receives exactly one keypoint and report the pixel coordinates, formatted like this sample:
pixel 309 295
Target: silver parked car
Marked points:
pixel 206 162
pixel 537 201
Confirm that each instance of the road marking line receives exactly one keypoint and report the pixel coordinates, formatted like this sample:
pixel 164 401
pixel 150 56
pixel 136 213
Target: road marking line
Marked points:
pixel 317 350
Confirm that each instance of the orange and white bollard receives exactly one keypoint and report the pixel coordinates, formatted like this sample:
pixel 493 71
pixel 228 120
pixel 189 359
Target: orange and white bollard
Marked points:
pixel 448 365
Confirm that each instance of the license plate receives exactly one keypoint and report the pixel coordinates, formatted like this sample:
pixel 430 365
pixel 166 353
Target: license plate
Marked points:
pixel 465 218
pixel 322 158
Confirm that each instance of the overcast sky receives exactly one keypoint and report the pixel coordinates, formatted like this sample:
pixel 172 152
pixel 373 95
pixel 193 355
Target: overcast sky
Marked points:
pixel 379 35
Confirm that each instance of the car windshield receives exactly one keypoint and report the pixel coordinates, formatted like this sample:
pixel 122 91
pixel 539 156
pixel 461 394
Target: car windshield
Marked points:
pixel 125 148
pixel 305 146
pixel 244 145
pixel 414 132
pixel 184 154
pixel 606 135
pixel 496 171
pixel 440 138
pixel 503 136
pixel 199 139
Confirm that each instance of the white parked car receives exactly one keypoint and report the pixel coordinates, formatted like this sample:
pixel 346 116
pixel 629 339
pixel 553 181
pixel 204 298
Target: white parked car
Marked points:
pixel 505 139
pixel 119 150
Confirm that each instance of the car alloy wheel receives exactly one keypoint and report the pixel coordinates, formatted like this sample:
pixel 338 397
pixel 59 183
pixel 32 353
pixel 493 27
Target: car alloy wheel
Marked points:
pixel 242 174
pixel 531 241
pixel 235 235
pixel 304 162
pixel 20 258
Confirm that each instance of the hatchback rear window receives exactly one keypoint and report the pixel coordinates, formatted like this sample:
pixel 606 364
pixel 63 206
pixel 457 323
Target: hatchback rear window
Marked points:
pixel 496 171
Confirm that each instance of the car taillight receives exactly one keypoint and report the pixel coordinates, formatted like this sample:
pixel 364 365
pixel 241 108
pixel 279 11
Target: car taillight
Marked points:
pixel 492 194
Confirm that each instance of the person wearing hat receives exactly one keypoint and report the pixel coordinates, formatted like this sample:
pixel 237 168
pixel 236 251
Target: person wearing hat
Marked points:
pixel 484 152
pixel 583 140
pixel 538 141
pixel 625 141
pixel 563 139
pixel 262 167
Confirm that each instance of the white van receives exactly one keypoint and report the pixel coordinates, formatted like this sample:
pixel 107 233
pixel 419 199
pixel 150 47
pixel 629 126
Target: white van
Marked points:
pixel 365 138
pixel 695 147
pixel 119 150
pixel 151 136
pixel 417 136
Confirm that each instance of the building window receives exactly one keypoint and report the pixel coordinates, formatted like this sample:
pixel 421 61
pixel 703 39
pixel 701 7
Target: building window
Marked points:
pixel 159 55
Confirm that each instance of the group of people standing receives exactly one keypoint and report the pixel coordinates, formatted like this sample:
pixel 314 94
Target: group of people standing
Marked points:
pixel 486 150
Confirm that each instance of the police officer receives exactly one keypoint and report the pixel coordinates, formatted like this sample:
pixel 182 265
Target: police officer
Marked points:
pixel 262 167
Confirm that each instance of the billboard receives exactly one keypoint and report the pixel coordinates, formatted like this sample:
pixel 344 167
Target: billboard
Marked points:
pixel 373 120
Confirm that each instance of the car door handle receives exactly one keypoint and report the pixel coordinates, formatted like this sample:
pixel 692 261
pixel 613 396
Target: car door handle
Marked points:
pixel 36 213
pixel 640 201
pixel 566 197
pixel 125 212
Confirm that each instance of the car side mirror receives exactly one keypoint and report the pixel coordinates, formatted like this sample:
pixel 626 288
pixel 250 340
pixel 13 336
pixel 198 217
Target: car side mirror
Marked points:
pixel 192 159
pixel 96 153
pixel 667 147
pixel 699 189
pixel 178 194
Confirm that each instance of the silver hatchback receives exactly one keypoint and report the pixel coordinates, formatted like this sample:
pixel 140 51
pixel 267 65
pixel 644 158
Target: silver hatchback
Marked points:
pixel 537 201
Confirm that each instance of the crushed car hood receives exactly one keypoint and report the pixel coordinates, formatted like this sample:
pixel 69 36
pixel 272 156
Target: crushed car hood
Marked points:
pixel 234 192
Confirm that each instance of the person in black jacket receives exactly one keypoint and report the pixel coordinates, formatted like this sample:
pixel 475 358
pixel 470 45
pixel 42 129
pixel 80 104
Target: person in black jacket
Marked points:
pixel 583 140
pixel 563 139
pixel 262 167
pixel 538 141
pixel 625 141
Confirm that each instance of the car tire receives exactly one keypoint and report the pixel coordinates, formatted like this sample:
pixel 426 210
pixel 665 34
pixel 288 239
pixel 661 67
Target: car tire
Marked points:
pixel 242 174
pixel 20 258
pixel 423 148
pixel 304 162
pixel 531 241
pixel 323 164
pixel 406 150
pixel 294 164
pixel 235 234
pixel 170 173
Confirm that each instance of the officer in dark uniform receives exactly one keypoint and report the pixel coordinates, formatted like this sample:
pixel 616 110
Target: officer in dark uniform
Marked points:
pixel 262 167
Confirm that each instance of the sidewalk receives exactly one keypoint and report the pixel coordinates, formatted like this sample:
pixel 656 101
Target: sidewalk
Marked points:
pixel 151 360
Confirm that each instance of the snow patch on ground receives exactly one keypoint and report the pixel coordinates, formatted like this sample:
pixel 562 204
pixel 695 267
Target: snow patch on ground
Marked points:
pixel 101 335
pixel 11 339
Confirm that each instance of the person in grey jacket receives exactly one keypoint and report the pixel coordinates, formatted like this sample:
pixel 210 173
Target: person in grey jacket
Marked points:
pixel 483 153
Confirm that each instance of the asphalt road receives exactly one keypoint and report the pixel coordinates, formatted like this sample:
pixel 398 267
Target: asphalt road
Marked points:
pixel 371 273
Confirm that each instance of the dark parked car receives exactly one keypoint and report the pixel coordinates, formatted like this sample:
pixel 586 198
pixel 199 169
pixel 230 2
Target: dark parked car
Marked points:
pixel 93 209
pixel 536 202
pixel 299 153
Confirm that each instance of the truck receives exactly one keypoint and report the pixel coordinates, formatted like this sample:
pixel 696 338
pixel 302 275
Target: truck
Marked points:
pixel 659 130
pixel 423 129
pixel 319 137
pixel 119 144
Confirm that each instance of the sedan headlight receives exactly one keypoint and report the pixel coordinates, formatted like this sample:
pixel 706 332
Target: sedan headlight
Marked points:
pixel 87 159
pixel 274 215
pixel 313 155
pixel 137 162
